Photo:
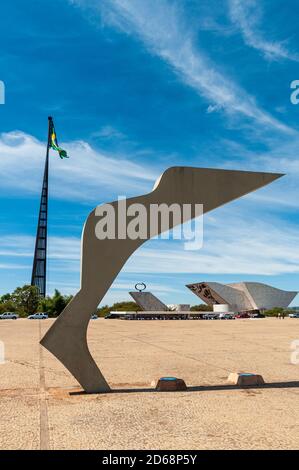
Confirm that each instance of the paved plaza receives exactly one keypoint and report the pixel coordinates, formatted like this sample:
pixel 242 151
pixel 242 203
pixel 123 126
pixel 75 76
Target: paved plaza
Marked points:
pixel 42 406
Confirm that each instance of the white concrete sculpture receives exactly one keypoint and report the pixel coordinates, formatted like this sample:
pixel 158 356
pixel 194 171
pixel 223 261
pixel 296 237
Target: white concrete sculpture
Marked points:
pixel 148 302
pixel 102 260
pixel 243 295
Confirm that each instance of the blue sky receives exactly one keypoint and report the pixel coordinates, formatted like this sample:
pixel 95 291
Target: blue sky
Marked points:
pixel 136 86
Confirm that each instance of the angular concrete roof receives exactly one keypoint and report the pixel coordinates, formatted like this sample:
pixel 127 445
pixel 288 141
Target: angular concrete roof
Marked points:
pixel 265 296
pixel 148 302
pixel 243 295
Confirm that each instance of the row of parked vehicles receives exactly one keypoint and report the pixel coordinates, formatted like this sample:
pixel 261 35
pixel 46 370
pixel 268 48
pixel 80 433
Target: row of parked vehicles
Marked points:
pixel 15 316
pixel 35 316
pixel 208 316
pixel 230 316
pixel 182 316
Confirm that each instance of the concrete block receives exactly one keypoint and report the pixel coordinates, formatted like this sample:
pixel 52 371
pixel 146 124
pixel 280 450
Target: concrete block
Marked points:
pixel 245 379
pixel 170 384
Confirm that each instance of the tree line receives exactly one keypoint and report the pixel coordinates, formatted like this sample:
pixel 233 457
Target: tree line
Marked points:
pixel 26 300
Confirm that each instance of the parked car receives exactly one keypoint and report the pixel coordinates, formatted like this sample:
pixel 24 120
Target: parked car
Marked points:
pixel 38 316
pixel 9 316
pixel 210 316
pixel 243 315
pixel 226 316
pixel 294 315
pixel 257 315
pixel 94 317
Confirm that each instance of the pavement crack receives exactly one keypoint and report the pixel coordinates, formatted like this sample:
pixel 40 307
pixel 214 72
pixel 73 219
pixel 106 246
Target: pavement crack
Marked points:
pixel 43 405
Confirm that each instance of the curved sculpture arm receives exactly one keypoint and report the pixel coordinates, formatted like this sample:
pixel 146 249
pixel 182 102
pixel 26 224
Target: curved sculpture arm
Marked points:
pixel 102 260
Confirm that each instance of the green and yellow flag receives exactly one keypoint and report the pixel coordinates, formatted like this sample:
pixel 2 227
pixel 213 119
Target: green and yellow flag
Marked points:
pixel 53 143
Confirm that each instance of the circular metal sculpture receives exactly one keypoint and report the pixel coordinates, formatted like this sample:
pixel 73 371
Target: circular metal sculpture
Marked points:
pixel 141 287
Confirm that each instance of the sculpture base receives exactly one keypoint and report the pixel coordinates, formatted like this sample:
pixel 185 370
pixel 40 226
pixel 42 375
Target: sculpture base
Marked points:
pixel 245 379
pixel 170 384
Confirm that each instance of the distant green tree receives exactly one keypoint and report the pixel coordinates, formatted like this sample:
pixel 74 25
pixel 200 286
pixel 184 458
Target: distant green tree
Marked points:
pixel 125 306
pixel 25 299
pixel 201 308
pixel 7 306
pixel 5 298
pixel 54 305
pixel 103 311
pixel 59 302
pixel 273 312
pixel 46 305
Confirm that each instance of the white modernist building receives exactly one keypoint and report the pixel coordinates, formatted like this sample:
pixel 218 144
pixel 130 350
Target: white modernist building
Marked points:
pixel 242 296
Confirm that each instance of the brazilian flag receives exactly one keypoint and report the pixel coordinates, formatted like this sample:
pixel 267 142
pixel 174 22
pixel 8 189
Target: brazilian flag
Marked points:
pixel 53 142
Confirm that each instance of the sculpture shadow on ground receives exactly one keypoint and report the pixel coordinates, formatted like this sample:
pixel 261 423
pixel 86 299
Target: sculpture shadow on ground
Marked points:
pixel 201 388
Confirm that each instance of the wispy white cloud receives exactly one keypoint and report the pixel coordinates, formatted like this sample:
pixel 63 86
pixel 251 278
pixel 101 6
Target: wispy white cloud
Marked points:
pixel 12 266
pixel 163 28
pixel 235 242
pixel 82 177
pixel 128 285
pixel 16 245
pixel 280 156
pixel 213 108
pixel 109 132
pixel 119 291
pixel 21 246
pixel 247 16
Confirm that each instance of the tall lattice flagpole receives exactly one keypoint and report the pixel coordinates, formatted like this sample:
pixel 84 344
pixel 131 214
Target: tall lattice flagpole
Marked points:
pixel 39 270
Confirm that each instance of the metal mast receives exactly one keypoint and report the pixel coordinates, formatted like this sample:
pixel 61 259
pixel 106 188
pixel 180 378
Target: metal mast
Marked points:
pixel 39 270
